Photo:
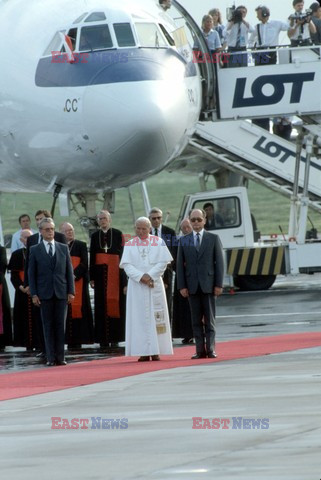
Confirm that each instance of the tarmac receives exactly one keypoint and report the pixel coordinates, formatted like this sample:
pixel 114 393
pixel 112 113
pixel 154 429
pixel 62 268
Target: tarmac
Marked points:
pixel 267 409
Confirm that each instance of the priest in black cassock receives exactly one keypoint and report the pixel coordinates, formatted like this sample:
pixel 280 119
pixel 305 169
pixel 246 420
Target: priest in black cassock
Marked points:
pixel 5 313
pixel 25 328
pixel 108 281
pixel 79 324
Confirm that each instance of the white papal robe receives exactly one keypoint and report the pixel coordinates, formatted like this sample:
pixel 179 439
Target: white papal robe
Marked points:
pixel 147 321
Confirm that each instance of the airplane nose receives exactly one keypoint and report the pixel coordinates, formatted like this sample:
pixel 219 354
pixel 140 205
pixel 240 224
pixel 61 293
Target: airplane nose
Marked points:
pixel 143 122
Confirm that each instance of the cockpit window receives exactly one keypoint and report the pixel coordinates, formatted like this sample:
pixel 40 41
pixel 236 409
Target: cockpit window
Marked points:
pixel 124 35
pixel 149 35
pixel 95 38
pixel 55 44
pixel 96 17
pixel 79 19
pixel 72 34
pixel 167 35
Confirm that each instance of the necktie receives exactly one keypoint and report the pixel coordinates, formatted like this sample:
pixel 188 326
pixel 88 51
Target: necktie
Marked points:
pixel 238 37
pixel 50 249
pixel 198 242
pixel 156 232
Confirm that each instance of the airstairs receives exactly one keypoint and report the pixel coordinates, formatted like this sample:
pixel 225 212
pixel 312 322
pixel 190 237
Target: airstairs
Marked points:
pixel 228 139
pixel 255 154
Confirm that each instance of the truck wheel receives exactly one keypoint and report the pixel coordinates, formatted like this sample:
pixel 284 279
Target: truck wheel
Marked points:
pixel 254 282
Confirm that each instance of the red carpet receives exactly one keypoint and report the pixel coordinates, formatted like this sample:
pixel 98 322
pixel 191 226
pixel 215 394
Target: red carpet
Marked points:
pixel 32 382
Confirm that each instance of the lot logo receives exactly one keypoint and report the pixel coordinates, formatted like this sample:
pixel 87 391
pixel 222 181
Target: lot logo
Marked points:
pixel 259 98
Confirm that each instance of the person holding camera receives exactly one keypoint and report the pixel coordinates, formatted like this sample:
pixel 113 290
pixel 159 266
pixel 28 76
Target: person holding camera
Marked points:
pixel 237 33
pixel 301 25
pixel 316 19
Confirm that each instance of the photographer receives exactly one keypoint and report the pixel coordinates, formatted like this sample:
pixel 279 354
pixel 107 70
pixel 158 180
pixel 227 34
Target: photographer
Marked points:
pixel 316 19
pixel 301 26
pixel 237 32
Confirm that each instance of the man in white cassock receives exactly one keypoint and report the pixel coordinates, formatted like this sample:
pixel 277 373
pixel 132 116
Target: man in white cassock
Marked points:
pixel 144 260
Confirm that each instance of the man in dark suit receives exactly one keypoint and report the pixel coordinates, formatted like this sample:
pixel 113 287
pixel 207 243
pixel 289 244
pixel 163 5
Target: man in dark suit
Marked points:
pixel 51 287
pixel 35 239
pixel 200 270
pixel 169 237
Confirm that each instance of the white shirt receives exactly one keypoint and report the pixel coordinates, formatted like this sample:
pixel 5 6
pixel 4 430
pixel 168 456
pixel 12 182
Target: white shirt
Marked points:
pixel 159 231
pixel 212 39
pixel 200 234
pixel 232 34
pixel 269 32
pixel 46 244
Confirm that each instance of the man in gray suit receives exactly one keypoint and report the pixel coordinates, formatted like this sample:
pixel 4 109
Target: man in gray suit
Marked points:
pixel 51 284
pixel 200 270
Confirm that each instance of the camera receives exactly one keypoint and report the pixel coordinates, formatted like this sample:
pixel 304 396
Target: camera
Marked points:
pixel 234 15
pixel 302 16
pixel 230 12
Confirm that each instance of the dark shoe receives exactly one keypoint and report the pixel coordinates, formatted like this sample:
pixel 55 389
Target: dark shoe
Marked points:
pixel 187 340
pixel 197 356
pixel 211 355
pixel 155 357
pixel 50 364
pixel 63 362
pixel 143 359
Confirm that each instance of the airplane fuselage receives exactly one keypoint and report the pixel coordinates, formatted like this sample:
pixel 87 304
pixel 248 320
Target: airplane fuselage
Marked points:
pixel 114 112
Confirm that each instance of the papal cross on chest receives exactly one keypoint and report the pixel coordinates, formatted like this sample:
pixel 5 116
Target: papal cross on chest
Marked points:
pixel 143 254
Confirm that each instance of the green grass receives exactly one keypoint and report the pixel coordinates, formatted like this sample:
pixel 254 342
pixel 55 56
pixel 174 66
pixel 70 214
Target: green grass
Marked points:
pixel 166 191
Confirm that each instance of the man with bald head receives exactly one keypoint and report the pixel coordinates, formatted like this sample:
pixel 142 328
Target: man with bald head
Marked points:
pixel 200 271
pixel 144 260
pixel 24 316
pixel 106 248
pixel 79 324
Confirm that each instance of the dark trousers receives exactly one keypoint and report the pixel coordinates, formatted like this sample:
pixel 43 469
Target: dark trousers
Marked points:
pixel 202 305
pixel 264 58
pixel 53 316
pixel 236 59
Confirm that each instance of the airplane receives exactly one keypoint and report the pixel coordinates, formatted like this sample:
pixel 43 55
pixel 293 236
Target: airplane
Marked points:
pixel 94 94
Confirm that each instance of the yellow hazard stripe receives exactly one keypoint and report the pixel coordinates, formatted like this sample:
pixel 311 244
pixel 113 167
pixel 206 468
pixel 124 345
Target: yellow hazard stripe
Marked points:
pixel 278 261
pixel 243 265
pixel 267 262
pixel 232 262
pixel 256 261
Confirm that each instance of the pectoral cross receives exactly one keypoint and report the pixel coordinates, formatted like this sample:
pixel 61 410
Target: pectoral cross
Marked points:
pixel 143 254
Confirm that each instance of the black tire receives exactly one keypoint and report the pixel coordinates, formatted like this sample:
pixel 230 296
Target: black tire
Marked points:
pixel 254 282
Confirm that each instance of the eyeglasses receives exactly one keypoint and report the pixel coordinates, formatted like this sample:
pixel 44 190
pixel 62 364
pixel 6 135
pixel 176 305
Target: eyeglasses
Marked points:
pixel 196 219
pixel 155 218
